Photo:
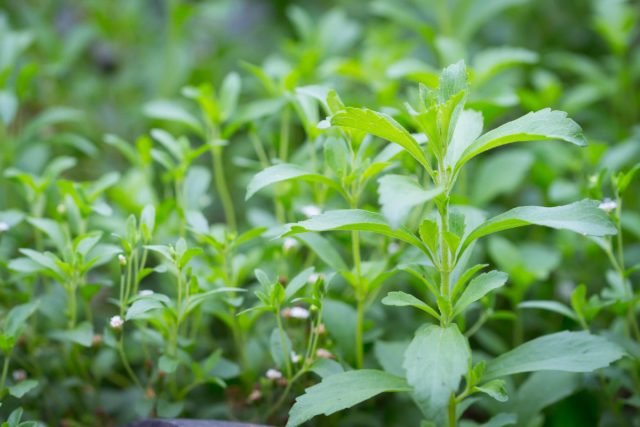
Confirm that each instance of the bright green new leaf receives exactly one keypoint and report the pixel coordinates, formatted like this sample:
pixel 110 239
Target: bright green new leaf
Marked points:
pixel 562 351
pixel 285 172
pixel 583 217
pixel 541 125
pixel 435 362
pixel 380 125
pixel 352 220
pixel 399 194
pixel 340 391
pixel 479 287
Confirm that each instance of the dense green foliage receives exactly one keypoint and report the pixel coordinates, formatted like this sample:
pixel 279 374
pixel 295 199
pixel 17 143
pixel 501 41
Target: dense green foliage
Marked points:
pixel 320 213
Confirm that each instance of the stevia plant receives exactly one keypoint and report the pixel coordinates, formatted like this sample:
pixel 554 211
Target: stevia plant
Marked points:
pixel 346 171
pixel 438 369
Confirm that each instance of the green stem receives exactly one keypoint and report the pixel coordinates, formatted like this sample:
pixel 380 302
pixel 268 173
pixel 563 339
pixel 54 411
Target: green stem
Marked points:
pixel 453 422
pixel 445 269
pixel 5 371
pixel 283 345
pixel 222 187
pixel 360 298
pixel 359 333
pixel 125 361
pixel 284 134
pixel 73 305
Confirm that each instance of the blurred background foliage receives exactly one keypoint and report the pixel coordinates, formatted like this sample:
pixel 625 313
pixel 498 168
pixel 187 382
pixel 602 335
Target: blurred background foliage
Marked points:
pixel 82 83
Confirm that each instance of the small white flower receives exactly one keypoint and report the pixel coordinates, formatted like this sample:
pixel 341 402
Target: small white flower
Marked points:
pixel 4 226
pixel 116 322
pixel 122 260
pixel 145 292
pixel 19 375
pixel 295 313
pixel 310 210
pixel 295 358
pixel 289 243
pixel 608 205
pixel 393 248
pixel 314 277
pixel 324 353
pixel 273 374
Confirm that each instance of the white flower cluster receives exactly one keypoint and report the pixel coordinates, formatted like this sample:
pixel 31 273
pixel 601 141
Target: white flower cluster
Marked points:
pixel 116 322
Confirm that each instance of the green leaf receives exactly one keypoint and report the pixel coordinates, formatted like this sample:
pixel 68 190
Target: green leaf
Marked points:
pixel 340 321
pixel 399 194
pixel 541 389
pixel 326 367
pixel 479 287
pixel 453 80
pixel 562 351
pixel 142 306
pixel 297 283
pixel 352 220
pixel 167 364
pixel 23 387
pixel 501 173
pixel 541 125
pixel 53 230
pixel 468 128
pixel 341 391
pixel 46 260
pixel 583 217
pixel 390 355
pixel 380 125
pixel 402 299
pixel 435 362
pixel 17 317
pixel 324 249
pixel 494 388
pixel 337 156
pixel 229 93
pixel 285 172
pixel 173 112
pixel 554 306
pixel 82 334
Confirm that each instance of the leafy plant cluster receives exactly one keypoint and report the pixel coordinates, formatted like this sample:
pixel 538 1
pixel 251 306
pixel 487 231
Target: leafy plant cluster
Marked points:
pixel 319 214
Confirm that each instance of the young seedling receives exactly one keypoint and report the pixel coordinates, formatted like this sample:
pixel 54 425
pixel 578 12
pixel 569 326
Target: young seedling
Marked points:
pixel 438 368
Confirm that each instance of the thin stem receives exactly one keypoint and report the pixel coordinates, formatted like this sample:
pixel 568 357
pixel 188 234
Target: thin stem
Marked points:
pixel 5 371
pixel 222 187
pixel 284 135
pixel 453 421
pixel 125 361
pixel 283 345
